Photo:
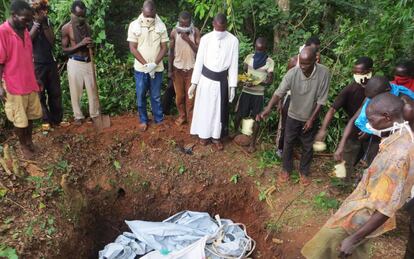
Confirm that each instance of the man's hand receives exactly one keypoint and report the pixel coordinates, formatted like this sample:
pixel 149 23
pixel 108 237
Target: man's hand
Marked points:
pixel 87 41
pixel 2 92
pixel 191 91
pixel 263 115
pixel 308 125
pixel 347 246
pixel 280 106
pixel 150 67
pixel 40 84
pixel 338 155
pixel 185 37
pixel 170 74
pixel 232 94
pixel 321 135
pixel 362 135
pixel 36 25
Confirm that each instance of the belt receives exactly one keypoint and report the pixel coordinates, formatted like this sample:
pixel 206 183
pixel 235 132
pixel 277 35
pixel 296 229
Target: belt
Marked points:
pixel 184 70
pixel 80 58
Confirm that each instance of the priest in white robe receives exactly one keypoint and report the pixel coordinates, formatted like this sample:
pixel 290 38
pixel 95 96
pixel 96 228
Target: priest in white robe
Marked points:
pixel 214 81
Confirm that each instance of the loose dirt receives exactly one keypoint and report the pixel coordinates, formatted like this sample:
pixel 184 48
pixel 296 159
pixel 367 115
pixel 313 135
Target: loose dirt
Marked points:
pixel 75 197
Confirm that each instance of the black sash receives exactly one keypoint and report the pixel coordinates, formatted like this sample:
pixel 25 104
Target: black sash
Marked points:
pixel 221 77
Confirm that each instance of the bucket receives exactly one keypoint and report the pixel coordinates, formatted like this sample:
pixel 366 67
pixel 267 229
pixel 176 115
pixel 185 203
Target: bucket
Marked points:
pixel 247 127
pixel 319 146
pixel 340 170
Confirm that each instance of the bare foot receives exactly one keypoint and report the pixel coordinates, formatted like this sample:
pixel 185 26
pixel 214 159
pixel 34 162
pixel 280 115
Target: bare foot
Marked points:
pixel 251 149
pixel 27 152
pixel 283 177
pixel 204 142
pixel 305 180
pixel 143 127
pixel 219 146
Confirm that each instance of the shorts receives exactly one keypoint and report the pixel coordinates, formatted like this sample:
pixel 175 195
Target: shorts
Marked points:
pixel 249 105
pixel 22 108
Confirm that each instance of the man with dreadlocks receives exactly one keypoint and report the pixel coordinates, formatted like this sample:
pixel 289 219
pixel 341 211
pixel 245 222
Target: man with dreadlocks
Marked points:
pixel 184 41
pixel 76 39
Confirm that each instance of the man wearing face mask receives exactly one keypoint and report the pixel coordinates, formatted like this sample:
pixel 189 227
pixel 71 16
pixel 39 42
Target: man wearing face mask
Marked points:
pixel 215 78
pixel 20 92
pixel 385 187
pixel 350 99
pixel 185 39
pixel 309 86
pixel 76 41
pixel 148 37
pixel 283 105
pixel 260 67
pixel 375 86
pixel 404 74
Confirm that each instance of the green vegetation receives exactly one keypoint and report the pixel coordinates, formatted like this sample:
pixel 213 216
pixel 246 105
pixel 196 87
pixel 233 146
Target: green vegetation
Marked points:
pixel 323 201
pixel 348 29
pixel 8 252
pixel 235 178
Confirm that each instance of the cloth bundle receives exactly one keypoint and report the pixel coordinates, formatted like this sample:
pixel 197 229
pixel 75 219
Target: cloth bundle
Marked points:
pixel 186 235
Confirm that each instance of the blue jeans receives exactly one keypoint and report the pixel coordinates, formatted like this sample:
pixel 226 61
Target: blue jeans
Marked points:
pixel 144 83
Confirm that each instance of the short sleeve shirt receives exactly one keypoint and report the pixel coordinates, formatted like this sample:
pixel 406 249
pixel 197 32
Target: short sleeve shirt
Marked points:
pixel 385 187
pixel 259 75
pixel 17 57
pixel 306 92
pixel 42 49
pixel 350 99
pixel 149 41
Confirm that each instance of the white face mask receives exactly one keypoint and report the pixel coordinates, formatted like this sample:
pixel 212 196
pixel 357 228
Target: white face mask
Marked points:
pixel 396 127
pixel 220 34
pixel 362 79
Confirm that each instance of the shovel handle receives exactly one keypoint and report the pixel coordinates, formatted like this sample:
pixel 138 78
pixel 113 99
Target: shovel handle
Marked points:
pixel 93 71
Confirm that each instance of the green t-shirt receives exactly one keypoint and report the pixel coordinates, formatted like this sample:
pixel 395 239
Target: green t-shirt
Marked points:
pixel 306 92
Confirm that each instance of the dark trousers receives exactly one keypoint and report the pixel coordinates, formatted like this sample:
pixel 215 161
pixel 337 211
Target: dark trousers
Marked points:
pixel 294 131
pixel 168 98
pixel 355 150
pixel 409 252
pixel 51 96
pixel 283 117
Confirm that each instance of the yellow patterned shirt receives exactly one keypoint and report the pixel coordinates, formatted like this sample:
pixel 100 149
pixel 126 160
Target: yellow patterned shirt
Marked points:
pixel 385 187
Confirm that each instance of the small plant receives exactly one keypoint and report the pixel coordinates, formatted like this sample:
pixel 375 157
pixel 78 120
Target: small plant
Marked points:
pixel 268 159
pixel 7 252
pixel 323 201
pixel 117 165
pixel 182 169
pixel 274 227
pixel 262 195
pixel 145 185
pixel 235 178
pixel 251 172
pixel 295 177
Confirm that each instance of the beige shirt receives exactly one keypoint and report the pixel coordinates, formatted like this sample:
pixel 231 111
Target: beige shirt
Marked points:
pixel 149 40
pixel 259 75
pixel 184 55
pixel 306 92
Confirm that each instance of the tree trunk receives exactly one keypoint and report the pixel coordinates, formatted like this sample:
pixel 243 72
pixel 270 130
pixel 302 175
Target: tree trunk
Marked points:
pixel 281 30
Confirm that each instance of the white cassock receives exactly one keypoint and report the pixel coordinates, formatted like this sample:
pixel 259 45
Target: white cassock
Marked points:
pixel 217 52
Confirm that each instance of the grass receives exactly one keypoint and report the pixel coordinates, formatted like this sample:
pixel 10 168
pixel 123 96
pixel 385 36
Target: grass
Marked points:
pixel 268 159
pixel 323 201
pixel 235 178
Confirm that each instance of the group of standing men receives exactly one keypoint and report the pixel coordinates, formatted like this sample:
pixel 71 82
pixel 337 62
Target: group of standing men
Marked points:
pixel 206 68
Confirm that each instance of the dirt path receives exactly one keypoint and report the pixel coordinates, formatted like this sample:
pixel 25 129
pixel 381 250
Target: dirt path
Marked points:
pixel 75 198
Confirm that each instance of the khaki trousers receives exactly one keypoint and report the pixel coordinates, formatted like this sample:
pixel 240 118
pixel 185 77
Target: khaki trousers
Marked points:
pixel 326 243
pixel 182 82
pixel 80 75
